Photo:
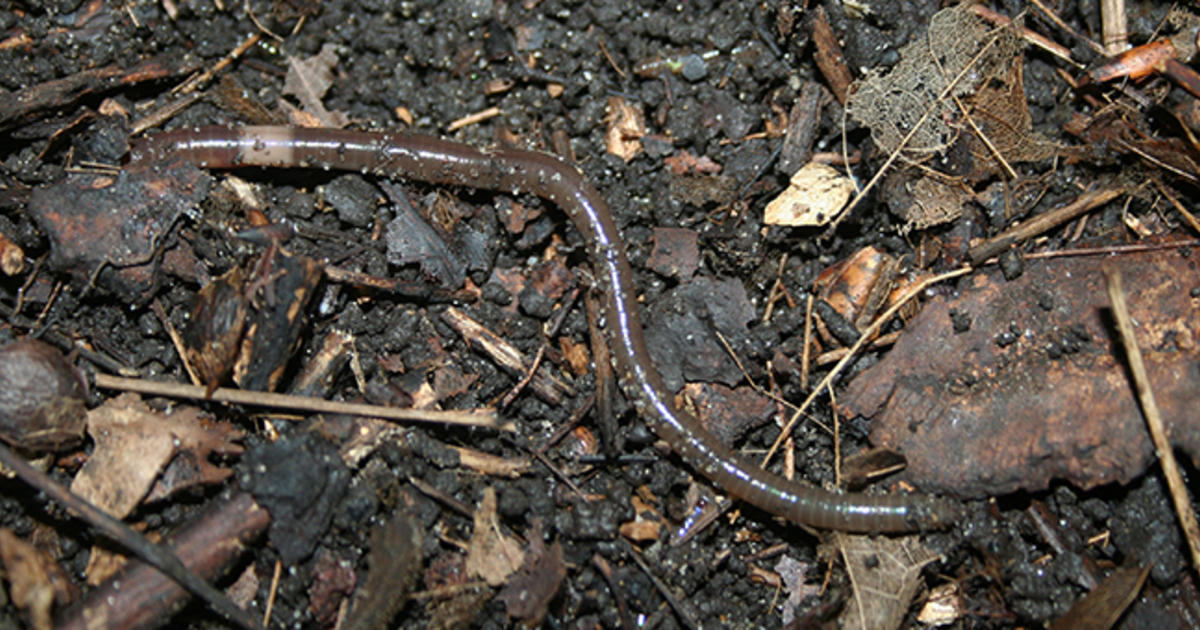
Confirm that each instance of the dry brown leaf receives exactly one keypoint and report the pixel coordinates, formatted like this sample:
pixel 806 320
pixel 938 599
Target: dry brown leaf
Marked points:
pixel 142 454
pixel 928 202
pixel 626 126
pixel 646 525
pixel 1105 605
pixel 816 194
pixel 684 163
pixel 491 554
pixel 904 105
pixel 197 437
pixel 528 595
pixel 103 563
pixel 944 606
pixel 1000 112
pixel 35 581
pixel 133 443
pixel 308 79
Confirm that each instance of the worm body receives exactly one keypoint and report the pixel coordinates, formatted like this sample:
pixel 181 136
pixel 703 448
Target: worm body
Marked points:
pixel 509 170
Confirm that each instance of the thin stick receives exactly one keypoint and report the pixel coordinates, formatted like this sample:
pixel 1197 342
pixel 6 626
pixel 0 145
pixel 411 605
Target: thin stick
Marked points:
pixel 1053 17
pixel 1187 216
pixel 177 341
pixel 204 77
pixel 1158 433
pixel 863 340
pixel 1031 37
pixel 1041 223
pixel 272 593
pixel 476 418
pixel 472 119
pixel 154 555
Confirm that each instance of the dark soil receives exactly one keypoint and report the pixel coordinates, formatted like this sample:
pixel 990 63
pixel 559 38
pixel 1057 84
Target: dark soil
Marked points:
pixel 1022 560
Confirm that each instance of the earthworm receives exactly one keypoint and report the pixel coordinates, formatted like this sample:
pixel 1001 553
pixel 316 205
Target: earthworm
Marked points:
pixel 444 162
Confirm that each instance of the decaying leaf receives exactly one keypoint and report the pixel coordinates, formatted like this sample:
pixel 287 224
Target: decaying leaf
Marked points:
pixel 35 581
pixel 925 201
pixel 213 335
pixel 626 126
pixel 816 194
pixel 885 573
pixel 944 606
pixel 795 582
pixel 646 525
pixel 492 554
pixel 411 239
pixel 906 106
pixel 308 79
pixel 197 438
pixel 1102 607
pixel 1002 126
pixel 684 163
pixel 133 443
pixel 528 594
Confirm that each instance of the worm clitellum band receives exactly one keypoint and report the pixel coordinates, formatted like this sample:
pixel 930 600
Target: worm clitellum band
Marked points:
pixel 443 162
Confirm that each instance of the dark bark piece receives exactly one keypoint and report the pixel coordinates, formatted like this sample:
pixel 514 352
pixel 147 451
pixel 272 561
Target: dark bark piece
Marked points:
pixel 139 596
pixel 24 105
pixel 213 335
pixel 681 335
pixel 299 481
pixel 676 253
pixel 411 239
pixel 730 413
pixel 528 593
pixel 278 293
pixel 96 220
pixel 1035 389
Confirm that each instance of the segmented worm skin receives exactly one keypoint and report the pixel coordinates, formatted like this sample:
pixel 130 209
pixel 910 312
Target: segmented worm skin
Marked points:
pixel 509 170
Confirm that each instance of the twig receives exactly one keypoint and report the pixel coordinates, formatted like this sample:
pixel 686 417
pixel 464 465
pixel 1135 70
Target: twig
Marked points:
pixel 177 341
pixel 1031 37
pixel 835 355
pixel 863 340
pixel 1187 216
pixel 475 418
pixel 472 119
pixel 678 605
pixel 1053 17
pixel 274 590
pixel 987 142
pixel 154 555
pixel 1158 433
pixel 1041 223
pixel 1112 24
pixel 617 590
pixel 1112 249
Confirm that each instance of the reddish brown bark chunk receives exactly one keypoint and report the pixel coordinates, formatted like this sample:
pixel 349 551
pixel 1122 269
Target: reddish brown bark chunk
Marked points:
pixel 1034 389
pixel 118 223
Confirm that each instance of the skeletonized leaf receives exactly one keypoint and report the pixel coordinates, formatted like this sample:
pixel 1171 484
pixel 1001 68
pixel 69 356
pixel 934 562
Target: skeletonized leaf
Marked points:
pixel 308 79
